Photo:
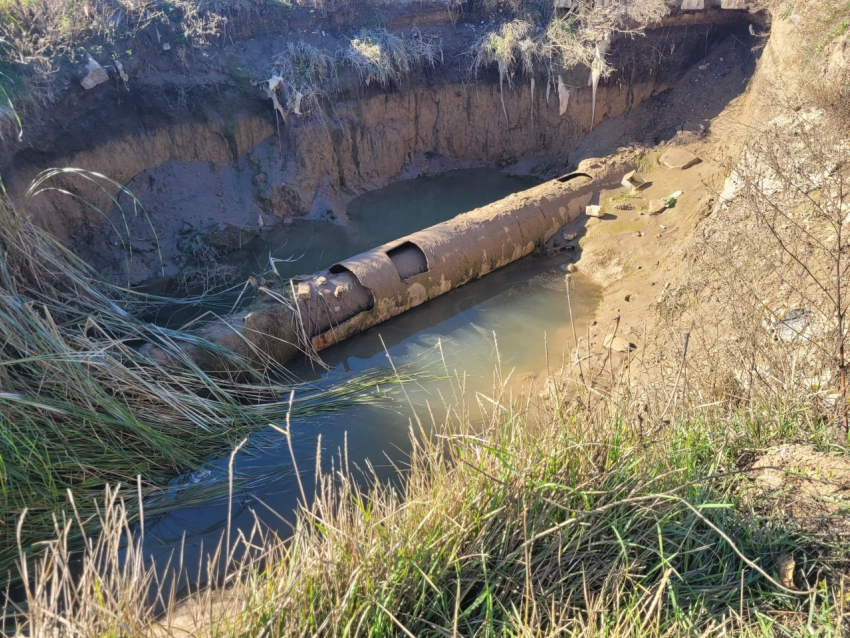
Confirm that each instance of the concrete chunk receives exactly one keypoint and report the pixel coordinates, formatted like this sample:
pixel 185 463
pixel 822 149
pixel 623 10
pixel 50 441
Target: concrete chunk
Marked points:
pixel 657 206
pixel 618 344
pixel 679 158
pixel 594 211
pixel 94 74
pixel 693 5
pixel 633 180
pixel 304 291
pixel 733 4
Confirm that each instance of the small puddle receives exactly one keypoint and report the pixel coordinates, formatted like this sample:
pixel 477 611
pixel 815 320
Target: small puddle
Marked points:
pixel 509 318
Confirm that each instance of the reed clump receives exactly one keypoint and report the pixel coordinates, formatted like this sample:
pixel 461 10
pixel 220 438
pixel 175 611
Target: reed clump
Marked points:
pixel 82 407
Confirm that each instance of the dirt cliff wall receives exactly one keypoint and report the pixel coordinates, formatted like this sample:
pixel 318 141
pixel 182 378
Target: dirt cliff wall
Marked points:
pixel 239 165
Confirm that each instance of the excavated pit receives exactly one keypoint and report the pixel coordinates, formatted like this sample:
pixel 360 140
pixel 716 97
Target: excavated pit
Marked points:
pixel 213 168
pixel 191 186
pixel 208 170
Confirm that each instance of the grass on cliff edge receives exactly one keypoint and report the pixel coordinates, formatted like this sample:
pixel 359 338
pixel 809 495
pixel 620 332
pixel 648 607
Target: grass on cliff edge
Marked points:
pixel 518 520
pixel 81 408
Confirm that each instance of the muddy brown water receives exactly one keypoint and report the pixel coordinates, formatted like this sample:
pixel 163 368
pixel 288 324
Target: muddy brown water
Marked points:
pixel 516 317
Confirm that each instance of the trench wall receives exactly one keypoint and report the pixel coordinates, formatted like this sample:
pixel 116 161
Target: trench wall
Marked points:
pixel 315 167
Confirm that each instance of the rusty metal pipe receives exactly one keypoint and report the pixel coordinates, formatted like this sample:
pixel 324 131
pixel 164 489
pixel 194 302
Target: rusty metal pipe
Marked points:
pixel 359 293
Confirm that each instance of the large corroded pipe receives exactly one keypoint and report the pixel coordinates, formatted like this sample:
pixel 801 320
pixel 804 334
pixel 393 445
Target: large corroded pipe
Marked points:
pixel 322 309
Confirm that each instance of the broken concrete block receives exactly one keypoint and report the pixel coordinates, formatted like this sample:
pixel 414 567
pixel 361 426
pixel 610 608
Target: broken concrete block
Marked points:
pixel 304 291
pixel 693 5
pixel 618 344
pixel 594 211
pixel 657 206
pixel 94 74
pixel 633 180
pixel 733 4
pixel 678 158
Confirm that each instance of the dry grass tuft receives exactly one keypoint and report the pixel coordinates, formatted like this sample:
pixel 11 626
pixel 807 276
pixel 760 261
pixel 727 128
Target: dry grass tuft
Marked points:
pixel 516 519
pixel 81 406
pixel 382 58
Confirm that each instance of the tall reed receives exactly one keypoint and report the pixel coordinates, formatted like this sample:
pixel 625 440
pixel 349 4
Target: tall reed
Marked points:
pixel 81 407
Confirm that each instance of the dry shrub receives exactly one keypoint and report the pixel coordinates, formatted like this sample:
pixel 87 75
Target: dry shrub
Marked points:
pixel 572 40
pixel 512 48
pixel 579 38
pixel 382 58
pixel 765 297
pixel 303 77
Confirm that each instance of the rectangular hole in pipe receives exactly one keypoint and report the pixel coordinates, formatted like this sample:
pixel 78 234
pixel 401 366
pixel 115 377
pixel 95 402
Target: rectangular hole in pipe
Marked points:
pixel 408 259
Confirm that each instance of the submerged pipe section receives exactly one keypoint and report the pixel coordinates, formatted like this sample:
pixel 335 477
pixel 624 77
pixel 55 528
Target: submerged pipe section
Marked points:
pixel 320 310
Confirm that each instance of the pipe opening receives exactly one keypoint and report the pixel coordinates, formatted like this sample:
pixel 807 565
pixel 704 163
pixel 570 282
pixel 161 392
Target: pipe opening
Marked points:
pixel 408 259
pixel 563 179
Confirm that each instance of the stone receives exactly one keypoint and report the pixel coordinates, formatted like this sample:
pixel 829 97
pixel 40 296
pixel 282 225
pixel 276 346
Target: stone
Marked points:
pixel 94 74
pixel 570 236
pixel 305 291
pixel 321 281
pixel 339 291
pixel 259 179
pixel 122 73
pixel 693 5
pixel 166 46
pixel 633 180
pixel 594 211
pixel 656 206
pixel 794 324
pixel 733 4
pixel 679 159
pixel 572 268
pixel 618 344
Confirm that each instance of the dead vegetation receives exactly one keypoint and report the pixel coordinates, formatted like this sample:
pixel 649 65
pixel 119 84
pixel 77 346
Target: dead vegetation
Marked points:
pixel 621 506
pixel 764 297
pixel 579 38
pixel 305 78
pixel 382 58
pixel 38 38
